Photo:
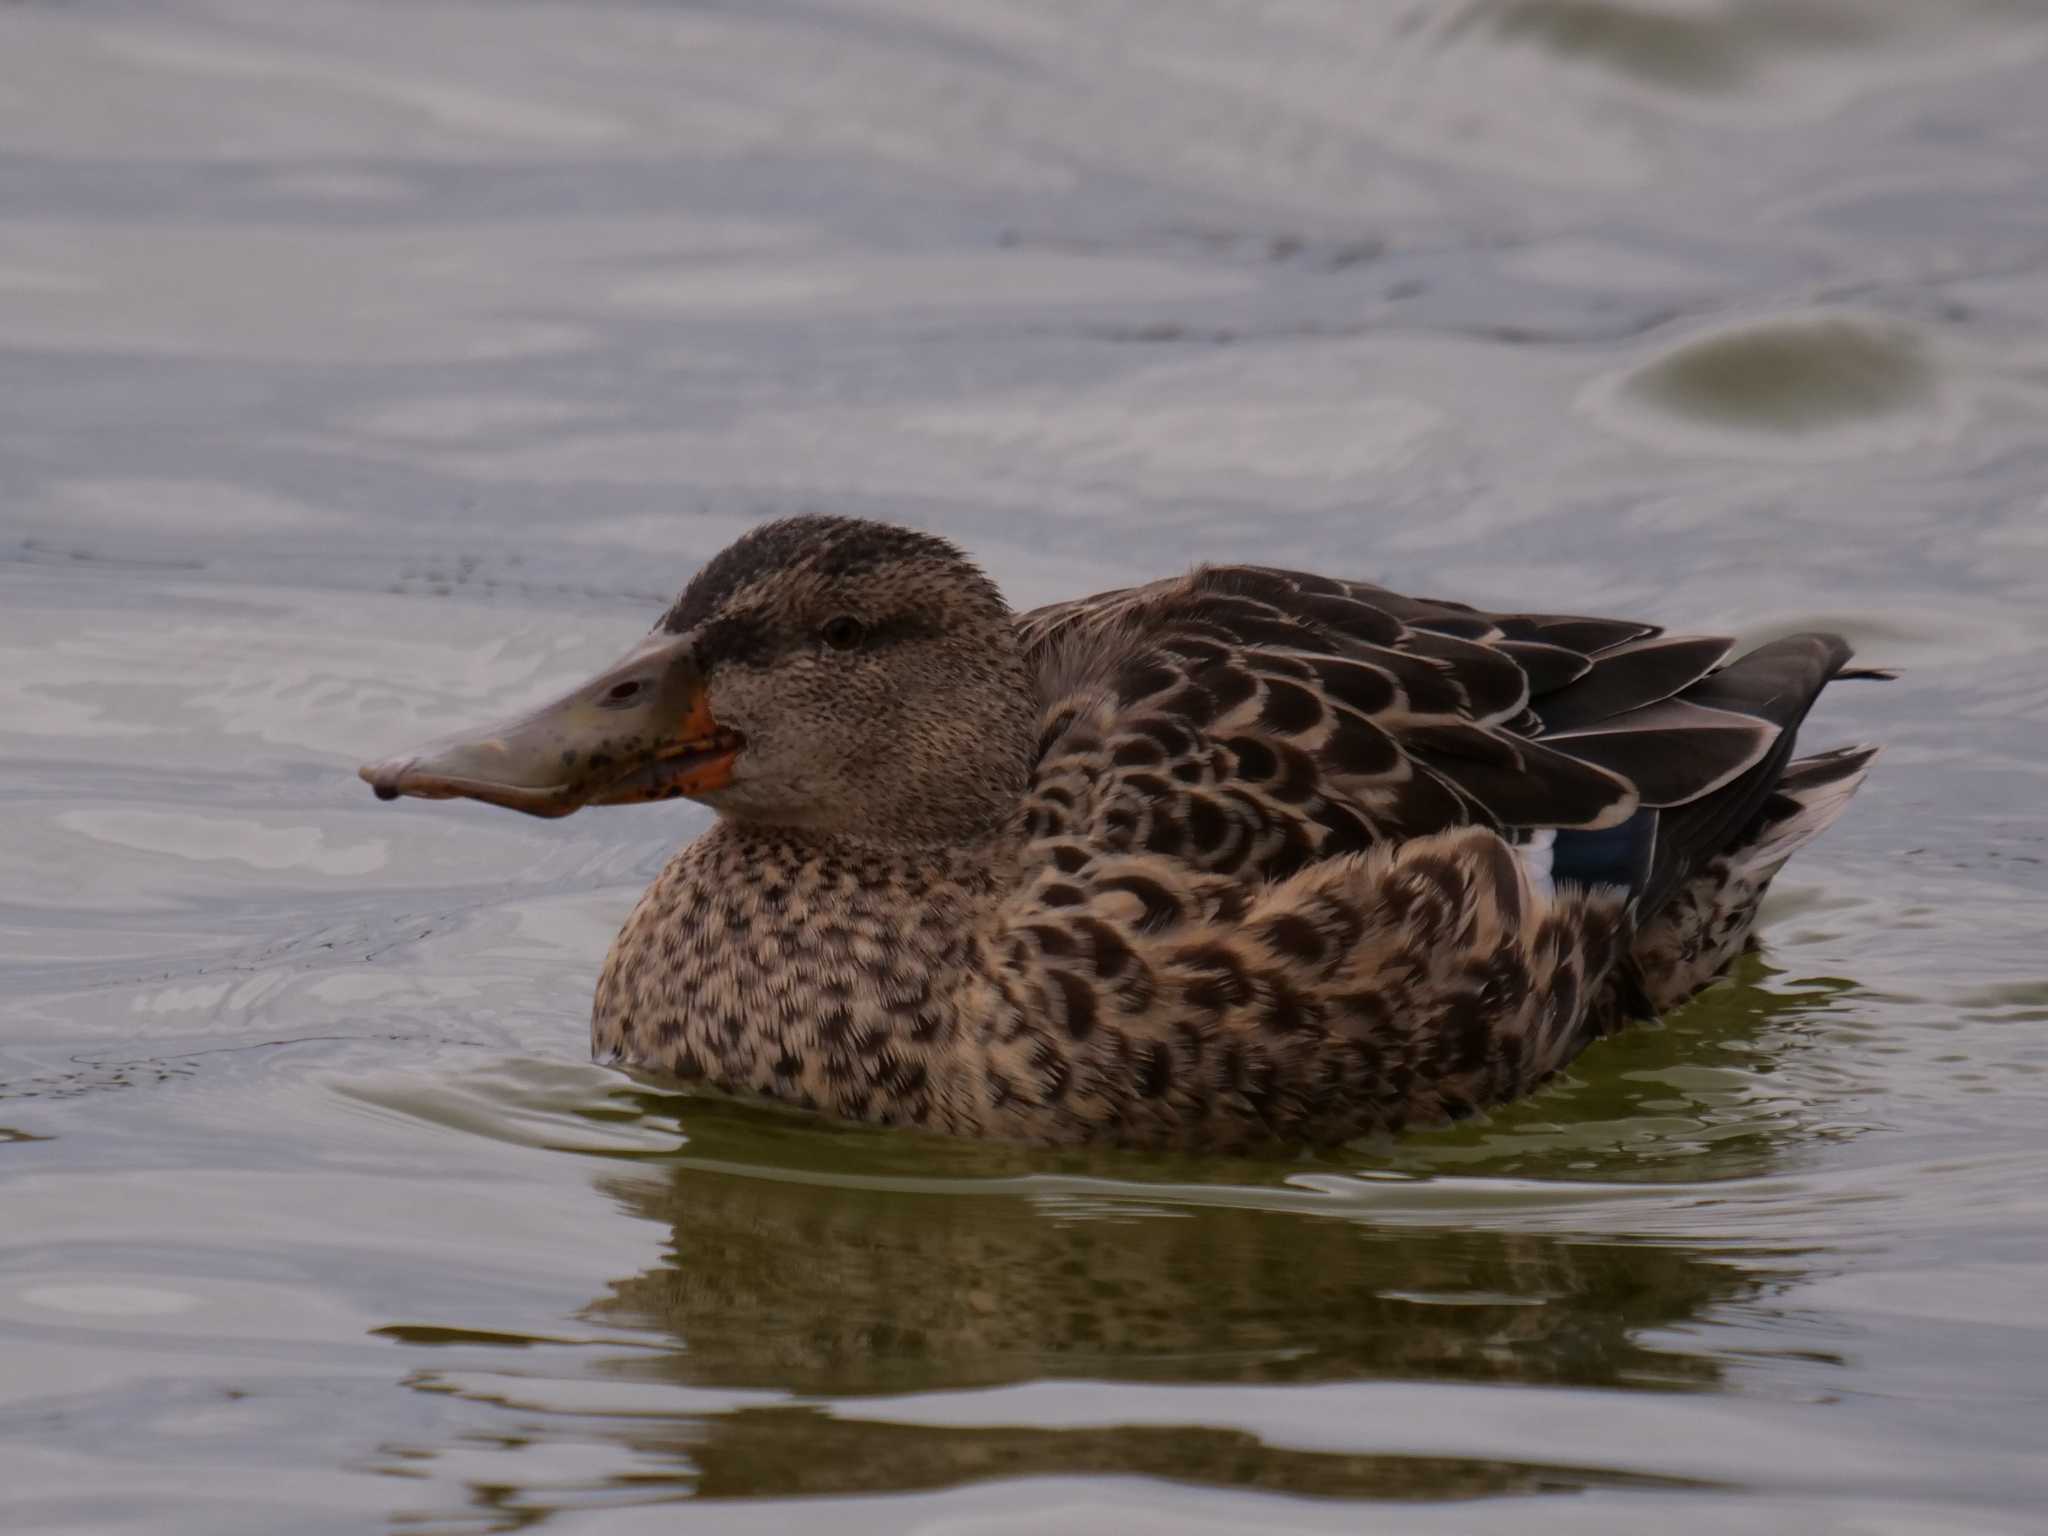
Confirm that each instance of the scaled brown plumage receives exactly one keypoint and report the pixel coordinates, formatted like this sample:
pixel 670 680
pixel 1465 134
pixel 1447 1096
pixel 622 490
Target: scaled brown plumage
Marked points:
pixel 1245 856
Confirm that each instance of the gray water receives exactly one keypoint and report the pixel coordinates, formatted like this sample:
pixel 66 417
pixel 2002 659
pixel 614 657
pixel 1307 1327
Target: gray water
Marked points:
pixel 367 369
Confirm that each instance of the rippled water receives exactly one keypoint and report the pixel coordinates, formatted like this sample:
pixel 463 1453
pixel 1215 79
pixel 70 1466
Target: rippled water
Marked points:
pixel 367 368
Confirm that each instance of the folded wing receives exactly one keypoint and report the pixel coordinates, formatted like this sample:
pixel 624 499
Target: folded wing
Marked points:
pixel 1243 721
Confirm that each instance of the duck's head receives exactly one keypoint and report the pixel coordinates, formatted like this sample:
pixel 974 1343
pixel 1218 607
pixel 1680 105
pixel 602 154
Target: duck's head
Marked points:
pixel 823 673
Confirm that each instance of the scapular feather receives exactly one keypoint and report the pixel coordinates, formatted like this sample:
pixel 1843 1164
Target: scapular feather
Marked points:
pixel 1674 751
pixel 1630 676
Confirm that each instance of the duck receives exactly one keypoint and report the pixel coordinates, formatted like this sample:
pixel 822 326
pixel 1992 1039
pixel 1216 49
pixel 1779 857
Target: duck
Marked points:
pixel 1243 857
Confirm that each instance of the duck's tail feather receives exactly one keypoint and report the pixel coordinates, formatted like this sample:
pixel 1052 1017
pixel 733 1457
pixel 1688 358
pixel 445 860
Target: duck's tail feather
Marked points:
pixel 1805 802
pixel 1775 684
pixel 1708 920
pixel 1696 870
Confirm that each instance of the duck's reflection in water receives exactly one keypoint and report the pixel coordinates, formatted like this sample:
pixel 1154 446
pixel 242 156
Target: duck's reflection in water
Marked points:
pixel 844 1291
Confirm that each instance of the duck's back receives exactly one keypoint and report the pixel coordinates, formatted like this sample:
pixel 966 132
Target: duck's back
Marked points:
pixel 1311 856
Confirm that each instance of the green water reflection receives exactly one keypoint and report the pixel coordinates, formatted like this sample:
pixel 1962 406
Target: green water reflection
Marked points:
pixel 1791 376
pixel 1718 49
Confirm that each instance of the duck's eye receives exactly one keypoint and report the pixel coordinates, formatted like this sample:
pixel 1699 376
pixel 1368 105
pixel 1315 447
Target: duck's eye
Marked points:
pixel 844 632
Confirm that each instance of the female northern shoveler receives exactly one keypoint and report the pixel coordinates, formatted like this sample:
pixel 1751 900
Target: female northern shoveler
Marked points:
pixel 1241 856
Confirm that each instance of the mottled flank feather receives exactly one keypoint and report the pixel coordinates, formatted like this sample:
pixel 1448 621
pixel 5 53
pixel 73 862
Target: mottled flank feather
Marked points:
pixel 1293 859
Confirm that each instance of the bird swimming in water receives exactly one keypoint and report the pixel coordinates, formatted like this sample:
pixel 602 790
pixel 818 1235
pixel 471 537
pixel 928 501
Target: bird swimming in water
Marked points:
pixel 1241 857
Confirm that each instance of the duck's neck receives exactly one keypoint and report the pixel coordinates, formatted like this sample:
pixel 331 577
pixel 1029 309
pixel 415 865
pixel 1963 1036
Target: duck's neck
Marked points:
pixel 816 969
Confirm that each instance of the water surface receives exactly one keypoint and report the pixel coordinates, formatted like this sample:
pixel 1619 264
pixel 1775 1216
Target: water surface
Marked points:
pixel 369 369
